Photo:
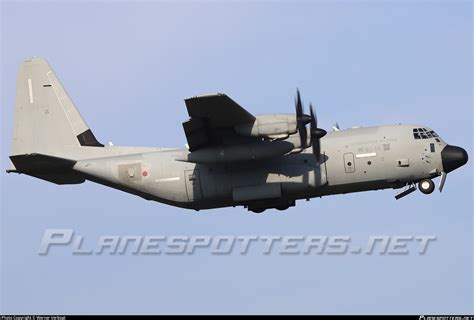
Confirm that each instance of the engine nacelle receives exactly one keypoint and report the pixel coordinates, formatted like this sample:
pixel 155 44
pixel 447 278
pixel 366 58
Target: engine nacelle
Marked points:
pixel 273 126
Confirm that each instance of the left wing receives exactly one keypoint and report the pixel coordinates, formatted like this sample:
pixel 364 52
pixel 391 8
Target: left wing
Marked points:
pixel 212 122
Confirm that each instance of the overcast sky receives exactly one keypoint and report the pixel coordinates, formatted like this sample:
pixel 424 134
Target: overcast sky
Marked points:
pixel 128 66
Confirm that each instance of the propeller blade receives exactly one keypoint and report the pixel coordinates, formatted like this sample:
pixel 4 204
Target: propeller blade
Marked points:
pixel 300 116
pixel 314 120
pixel 314 138
pixel 317 149
pixel 301 120
pixel 316 133
pixel 298 105
pixel 303 135
pixel 443 180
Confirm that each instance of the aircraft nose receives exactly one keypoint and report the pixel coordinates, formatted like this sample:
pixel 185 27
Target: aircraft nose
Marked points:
pixel 453 157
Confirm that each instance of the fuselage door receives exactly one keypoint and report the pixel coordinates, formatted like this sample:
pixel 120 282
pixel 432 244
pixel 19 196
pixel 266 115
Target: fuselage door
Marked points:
pixel 193 185
pixel 349 164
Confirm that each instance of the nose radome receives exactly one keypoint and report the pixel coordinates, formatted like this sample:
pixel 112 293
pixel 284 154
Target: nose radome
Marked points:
pixel 453 157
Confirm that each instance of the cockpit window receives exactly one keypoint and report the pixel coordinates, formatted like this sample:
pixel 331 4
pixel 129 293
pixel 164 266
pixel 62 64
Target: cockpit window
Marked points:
pixel 423 133
pixel 416 134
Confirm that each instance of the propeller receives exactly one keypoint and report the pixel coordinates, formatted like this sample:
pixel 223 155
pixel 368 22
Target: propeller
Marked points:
pixel 301 120
pixel 316 134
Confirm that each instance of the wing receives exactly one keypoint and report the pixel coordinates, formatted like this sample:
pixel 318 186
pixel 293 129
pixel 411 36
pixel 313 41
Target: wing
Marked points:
pixel 212 122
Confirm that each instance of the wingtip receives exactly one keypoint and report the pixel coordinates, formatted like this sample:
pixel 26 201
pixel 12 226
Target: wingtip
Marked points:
pixel 206 95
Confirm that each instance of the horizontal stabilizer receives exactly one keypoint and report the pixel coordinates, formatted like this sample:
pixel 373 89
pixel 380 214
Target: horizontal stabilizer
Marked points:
pixel 49 168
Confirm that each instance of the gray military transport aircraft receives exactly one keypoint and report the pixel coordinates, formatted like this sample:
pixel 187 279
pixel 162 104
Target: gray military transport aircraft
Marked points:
pixel 233 158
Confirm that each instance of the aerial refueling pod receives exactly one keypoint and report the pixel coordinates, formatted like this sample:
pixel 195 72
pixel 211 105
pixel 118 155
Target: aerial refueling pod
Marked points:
pixel 236 153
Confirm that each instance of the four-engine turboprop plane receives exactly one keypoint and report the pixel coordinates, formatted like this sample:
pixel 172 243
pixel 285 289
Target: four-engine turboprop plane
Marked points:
pixel 233 158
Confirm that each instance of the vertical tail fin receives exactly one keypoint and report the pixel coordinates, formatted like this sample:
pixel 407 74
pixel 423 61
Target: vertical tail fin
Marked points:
pixel 46 120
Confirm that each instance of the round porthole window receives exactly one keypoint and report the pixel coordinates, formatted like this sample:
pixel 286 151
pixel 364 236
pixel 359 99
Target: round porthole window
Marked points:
pixel 349 164
pixel 369 162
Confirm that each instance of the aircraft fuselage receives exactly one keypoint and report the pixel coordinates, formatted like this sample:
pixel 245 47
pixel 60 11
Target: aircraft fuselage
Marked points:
pixel 358 159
